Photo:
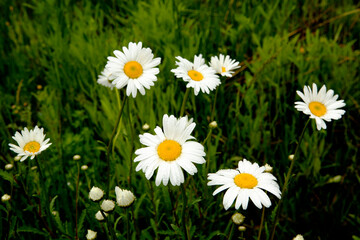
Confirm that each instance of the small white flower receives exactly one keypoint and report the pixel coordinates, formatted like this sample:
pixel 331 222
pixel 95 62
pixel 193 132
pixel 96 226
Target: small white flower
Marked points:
pixel 76 157
pixel 268 168
pixel 107 205
pixel 146 127
pixel 213 124
pixel 238 218
pixel 298 237
pixel 9 166
pixel 247 181
pixel 198 75
pixel 135 68
pixel 104 78
pixel 124 198
pixel 31 143
pixel 322 105
pixel 291 157
pixel 84 167
pixel 100 215
pixel 5 197
pixel 224 65
pixel 170 151
pixel 96 194
pixel 91 235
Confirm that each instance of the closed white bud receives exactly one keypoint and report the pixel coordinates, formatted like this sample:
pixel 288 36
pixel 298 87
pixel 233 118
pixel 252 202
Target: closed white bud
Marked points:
pixel 100 215
pixel 298 237
pixel 335 179
pixel 107 205
pixel 96 194
pixel 291 157
pixel 84 167
pixel 9 166
pixel 91 235
pixel 238 218
pixel 5 197
pixel 242 228
pixel 54 213
pixel 17 158
pixel 213 124
pixel 124 198
pixel 76 157
pixel 146 127
pixel 268 168
pixel 33 168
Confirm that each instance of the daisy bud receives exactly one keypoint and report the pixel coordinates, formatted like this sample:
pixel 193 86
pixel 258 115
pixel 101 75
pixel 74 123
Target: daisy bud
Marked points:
pixel 124 198
pixel 5 197
pixel 33 168
pixel 54 213
pixel 213 124
pixel 76 157
pixel 238 218
pixel 242 228
pixel 335 179
pixel 17 158
pixel 91 235
pixel 107 205
pixel 96 194
pixel 146 127
pixel 268 168
pixel 84 167
pixel 298 237
pixel 39 87
pixel 100 216
pixel 291 157
pixel 9 166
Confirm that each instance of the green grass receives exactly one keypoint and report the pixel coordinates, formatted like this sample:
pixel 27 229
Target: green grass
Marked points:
pixel 282 46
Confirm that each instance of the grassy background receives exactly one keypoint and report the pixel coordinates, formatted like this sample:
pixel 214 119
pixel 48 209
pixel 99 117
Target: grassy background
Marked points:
pixel 52 52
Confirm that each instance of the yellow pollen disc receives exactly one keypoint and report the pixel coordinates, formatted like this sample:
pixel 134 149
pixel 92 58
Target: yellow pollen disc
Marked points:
pixel 245 180
pixel 317 108
pixel 133 69
pixel 223 69
pixel 195 75
pixel 169 150
pixel 32 147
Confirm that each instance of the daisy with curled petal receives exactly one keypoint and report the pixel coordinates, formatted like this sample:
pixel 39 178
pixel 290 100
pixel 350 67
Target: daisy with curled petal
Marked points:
pixel 198 75
pixel 169 151
pixel 104 78
pixel 247 181
pixel 224 65
pixel 135 68
pixel 30 143
pixel 322 105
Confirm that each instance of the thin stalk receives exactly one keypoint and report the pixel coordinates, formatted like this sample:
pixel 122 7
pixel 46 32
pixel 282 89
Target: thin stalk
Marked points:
pixel 183 215
pixel 110 144
pixel 127 224
pixel 287 178
pixel 152 196
pixel 76 201
pixel 214 105
pixel 131 127
pixel 231 233
pixel 261 223
pixel 182 110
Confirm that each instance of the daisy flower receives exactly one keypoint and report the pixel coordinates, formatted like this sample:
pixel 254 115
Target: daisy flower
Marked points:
pixel 198 75
pixel 135 68
pixel 169 151
pixel 124 198
pixel 30 143
pixel 104 78
pixel 224 65
pixel 247 181
pixel 320 105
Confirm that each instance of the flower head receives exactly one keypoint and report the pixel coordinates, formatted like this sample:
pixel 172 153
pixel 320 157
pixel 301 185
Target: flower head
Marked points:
pixel 6 197
pixel 198 75
pixel 238 218
pixel 247 181
pixel 322 105
pixel 135 68
pixel 96 194
pixel 31 143
pixel 100 215
pixel 224 65
pixel 107 205
pixel 104 78
pixel 91 235
pixel 169 151
pixel 298 237
pixel 124 198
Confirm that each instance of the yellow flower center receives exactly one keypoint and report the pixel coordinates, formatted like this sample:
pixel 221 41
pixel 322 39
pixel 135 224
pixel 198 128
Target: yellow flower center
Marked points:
pixel 317 108
pixel 32 147
pixel 169 150
pixel 245 180
pixel 223 69
pixel 195 75
pixel 133 69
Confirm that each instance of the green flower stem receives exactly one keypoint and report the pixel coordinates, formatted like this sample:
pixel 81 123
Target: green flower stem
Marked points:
pixel 76 201
pixel 127 224
pixel 110 145
pixel 131 127
pixel 214 105
pixel 287 178
pixel 261 223
pixel 231 233
pixel 182 110
pixel 183 214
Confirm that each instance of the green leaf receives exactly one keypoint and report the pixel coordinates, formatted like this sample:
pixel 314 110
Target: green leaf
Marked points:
pixel 7 176
pixel 31 230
